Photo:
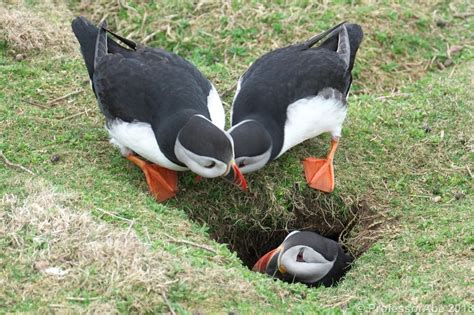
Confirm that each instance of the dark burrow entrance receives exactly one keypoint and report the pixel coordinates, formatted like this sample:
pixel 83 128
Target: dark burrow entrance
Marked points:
pixel 265 242
pixel 255 222
pixel 346 224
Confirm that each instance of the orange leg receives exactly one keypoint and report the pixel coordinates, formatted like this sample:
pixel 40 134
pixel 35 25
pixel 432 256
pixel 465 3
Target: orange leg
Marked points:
pixel 163 183
pixel 320 172
pixel 197 179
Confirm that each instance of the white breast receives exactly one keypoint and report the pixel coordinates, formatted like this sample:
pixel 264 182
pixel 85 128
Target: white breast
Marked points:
pixel 216 110
pixel 312 116
pixel 139 138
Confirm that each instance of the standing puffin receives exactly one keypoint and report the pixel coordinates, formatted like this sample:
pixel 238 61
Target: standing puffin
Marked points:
pixel 305 257
pixel 293 94
pixel 160 107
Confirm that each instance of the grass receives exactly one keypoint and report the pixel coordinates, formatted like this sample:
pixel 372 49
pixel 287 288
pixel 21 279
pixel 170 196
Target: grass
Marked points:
pixel 403 172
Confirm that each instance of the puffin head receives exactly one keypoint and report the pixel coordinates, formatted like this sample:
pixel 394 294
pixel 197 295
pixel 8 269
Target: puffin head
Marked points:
pixel 303 264
pixel 207 150
pixel 253 145
pixel 305 257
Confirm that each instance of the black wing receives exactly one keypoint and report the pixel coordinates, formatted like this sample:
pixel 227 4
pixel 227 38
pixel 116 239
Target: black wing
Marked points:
pixel 285 75
pixel 148 83
pixel 152 86
pixel 319 66
pixel 280 78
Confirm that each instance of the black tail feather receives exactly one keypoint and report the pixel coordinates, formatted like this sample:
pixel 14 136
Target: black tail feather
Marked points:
pixel 343 46
pixel 126 41
pixel 101 44
pixel 329 33
pixel 86 34
pixel 355 33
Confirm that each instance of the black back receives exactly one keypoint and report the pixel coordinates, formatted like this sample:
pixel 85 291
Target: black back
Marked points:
pixel 147 84
pixel 285 75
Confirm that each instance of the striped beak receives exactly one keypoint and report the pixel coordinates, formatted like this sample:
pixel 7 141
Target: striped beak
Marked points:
pixel 262 263
pixel 235 176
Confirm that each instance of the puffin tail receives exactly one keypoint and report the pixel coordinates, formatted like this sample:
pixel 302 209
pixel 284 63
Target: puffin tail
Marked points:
pixel 355 36
pixel 100 44
pixel 333 31
pixel 86 34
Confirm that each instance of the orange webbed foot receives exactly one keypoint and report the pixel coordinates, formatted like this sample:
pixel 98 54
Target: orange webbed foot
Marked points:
pixel 319 173
pixel 162 182
pixel 197 179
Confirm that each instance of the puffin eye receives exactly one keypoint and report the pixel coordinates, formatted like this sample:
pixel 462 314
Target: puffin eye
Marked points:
pixel 210 165
pixel 299 257
pixel 242 164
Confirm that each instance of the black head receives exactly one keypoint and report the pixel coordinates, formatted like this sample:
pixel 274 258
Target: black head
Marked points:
pixel 253 145
pixel 306 257
pixel 324 246
pixel 312 259
pixel 204 148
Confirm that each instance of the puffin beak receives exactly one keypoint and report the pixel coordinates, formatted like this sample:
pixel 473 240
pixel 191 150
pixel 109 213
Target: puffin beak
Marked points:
pixel 262 263
pixel 235 176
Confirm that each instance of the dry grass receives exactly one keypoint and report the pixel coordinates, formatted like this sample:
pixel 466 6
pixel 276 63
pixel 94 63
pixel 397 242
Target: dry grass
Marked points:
pixel 66 251
pixel 44 29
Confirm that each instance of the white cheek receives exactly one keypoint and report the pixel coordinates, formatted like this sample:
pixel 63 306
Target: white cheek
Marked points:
pixel 216 171
pixel 313 270
pixel 249 168
pixel 195 162
pixel 253 163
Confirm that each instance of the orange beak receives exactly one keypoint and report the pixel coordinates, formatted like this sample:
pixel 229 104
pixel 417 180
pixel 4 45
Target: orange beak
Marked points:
pixel 262 263
pixel 235 176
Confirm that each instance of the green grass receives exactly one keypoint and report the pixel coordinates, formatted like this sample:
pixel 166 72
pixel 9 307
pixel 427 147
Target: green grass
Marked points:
pixel 402 171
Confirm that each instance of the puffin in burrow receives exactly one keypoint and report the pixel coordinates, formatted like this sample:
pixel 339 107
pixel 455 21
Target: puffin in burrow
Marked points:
pixel 305 257
pixel 292 94
pixel 157 106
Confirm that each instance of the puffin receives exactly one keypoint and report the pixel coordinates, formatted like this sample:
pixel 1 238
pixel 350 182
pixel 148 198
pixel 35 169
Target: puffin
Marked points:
pixel 160 110
pixel 293 94
pixel 305 257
